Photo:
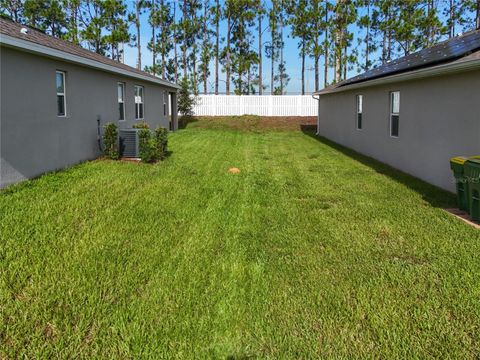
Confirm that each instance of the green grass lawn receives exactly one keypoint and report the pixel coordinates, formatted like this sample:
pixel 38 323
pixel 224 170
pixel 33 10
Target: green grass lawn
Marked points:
pixel 311 251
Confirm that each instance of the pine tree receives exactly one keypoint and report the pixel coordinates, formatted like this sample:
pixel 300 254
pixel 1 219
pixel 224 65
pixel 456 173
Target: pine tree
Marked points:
pixel 260 9
pixel 116 24
pixel 13 9
pixel 47 15
pixel 316 26
pixel 140 5
pixel 217 14
pixel 164 38
pixel 274 44
pixel 154 21
pixel 72 15
pixel 206 51
pixel 93 21
pixel 299 18
pixel 365 23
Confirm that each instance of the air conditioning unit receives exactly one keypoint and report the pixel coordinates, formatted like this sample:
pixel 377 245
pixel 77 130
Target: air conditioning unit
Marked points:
pixel 129 143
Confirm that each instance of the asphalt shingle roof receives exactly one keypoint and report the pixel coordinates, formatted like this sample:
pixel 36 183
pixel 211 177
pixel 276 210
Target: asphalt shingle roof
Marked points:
pixel 13 29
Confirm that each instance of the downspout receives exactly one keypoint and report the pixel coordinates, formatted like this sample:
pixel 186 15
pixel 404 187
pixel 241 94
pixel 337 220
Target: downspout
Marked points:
pixel 318 114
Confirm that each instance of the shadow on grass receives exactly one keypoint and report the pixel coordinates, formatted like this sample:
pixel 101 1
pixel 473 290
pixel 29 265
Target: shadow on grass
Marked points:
pixel 435 196
pixel 183 121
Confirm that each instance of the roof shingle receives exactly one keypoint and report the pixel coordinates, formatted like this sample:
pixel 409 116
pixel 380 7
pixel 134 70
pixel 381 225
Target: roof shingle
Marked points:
pixel 13 29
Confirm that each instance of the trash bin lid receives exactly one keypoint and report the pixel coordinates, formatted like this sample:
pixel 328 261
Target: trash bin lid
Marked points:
pixel 474 159
pixel 459 159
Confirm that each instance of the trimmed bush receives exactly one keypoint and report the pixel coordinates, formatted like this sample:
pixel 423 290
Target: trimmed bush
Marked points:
pixel 146 146
pixel 110 141
pixel 161 139
pixel 152 145
pixel 141 125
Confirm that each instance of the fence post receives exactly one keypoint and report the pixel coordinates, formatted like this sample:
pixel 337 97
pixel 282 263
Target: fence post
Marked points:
pixel 270 105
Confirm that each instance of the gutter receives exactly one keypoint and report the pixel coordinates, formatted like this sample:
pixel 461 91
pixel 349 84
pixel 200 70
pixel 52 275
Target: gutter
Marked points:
pixel 31 47
pixel 449 68
pixel 318 113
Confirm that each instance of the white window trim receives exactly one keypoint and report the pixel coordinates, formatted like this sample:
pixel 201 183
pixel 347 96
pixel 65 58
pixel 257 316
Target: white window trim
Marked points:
pixel 390 100
pixel 64 94
pixel 164 103
pixel 357 112
pixel 143 102
pixel 123 100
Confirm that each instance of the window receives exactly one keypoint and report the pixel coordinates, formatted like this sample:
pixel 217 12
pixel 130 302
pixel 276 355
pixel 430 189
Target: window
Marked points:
pixel 164 103
pixel 61 98
pixel 394 113
pixel 359 111
pixel 139 102
pixel 121 100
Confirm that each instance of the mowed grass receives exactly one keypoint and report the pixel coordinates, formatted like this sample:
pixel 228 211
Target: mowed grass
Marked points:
pixel 312 251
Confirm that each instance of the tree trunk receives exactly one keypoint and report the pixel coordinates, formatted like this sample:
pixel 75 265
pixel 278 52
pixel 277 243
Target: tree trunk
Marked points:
pixel 217 44
pixel 281 55
pixel 205 66
pixel 162 29
pixel 316 65
pixel 303 66
pixel 137 25
pixel 325 70
pixel 478 16
pixel 367 39
pixel 194 50
pixel 338 56
pixel 227 67
pixel 272 54
pixel 260 70
pixel 175 59
pixel 154 41
pixel 184 39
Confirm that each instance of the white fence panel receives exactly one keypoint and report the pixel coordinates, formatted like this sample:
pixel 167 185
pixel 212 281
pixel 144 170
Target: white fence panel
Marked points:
pixel 265 105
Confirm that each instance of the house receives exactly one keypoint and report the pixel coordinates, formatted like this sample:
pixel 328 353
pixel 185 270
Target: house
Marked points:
pixel 413 113
pixel 56 97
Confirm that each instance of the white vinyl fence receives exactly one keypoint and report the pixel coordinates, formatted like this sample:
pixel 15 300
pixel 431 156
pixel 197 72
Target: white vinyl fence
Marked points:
pixel 265 105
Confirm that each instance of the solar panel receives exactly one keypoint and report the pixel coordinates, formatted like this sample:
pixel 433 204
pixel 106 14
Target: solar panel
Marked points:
pixel 442 52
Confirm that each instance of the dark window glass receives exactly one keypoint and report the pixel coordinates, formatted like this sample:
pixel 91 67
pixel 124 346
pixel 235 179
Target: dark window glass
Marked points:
pixel 140 111
pixel 395 125
pixel 60 105
pixel 121 114
pixel 359 120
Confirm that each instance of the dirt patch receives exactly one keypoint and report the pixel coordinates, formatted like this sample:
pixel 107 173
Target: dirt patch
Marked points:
pixel 254 123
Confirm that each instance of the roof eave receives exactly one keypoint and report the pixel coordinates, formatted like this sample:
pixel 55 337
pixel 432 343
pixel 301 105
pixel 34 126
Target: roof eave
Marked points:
pixel 457 66
pixel 32 47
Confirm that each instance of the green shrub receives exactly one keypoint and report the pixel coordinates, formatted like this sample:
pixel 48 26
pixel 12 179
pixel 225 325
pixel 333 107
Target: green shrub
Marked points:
pixel 110 141
pixel 152 146
pixel 146 146
pixel 186 98
pixel 141 125
pixel 161 139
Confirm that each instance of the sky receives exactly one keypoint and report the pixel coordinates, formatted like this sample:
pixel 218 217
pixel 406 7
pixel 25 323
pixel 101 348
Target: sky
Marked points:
pixel 291 55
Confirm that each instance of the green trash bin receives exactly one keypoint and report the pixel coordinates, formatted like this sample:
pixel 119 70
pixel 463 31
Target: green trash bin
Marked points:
pixel 457 164
pixel 472 173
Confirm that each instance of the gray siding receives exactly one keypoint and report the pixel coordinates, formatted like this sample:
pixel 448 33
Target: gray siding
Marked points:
pixel 439 119
pixel 34 140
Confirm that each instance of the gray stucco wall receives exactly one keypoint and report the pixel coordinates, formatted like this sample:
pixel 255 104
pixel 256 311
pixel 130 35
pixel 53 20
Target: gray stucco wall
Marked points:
pixel 34 139
pixel 439 119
